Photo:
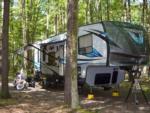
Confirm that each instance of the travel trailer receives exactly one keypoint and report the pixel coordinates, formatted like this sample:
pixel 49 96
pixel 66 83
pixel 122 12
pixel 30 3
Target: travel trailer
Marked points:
pixel 105 51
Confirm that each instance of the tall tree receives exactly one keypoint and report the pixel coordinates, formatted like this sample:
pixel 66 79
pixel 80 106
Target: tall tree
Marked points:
pixel 47 20
pixel 144 11
pixel 127 6
pixel 24 31
pixel 128 10
pixel 5 45
pixel 71 89
pixel 108 9
pixel 91 10
pixel 100 16
pixel 26 19
pixel 0 34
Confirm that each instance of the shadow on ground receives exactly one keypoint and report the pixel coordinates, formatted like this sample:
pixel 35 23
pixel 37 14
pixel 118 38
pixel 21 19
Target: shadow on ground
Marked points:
pixel 38 100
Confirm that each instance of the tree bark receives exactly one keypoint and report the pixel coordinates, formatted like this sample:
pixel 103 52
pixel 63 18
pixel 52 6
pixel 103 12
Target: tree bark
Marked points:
pixel 91 11
pixel 71 87
pixel 47 20
pixel 5 50
pixel 128 11
pixel 29 38
pixel 86 12
pixel 100 15
pixel 56 24
pixel 108 5
pixel 24 30
pixel 25 35
pixel 144 12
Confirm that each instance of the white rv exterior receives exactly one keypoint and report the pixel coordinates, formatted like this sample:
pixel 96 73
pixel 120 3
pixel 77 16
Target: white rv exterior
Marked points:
pixel 103 50
pixel 91 58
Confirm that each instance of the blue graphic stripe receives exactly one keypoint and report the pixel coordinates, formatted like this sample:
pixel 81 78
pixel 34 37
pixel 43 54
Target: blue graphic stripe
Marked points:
pixel 94 53
pixel 62 61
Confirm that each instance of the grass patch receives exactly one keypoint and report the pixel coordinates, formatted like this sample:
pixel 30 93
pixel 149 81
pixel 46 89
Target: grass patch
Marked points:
pixel 6 102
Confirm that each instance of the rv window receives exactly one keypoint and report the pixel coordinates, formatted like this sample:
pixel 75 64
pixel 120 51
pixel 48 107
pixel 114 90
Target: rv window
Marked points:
pixel 85 44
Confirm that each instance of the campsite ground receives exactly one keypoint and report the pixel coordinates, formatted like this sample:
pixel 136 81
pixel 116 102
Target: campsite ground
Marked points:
pixel 38 100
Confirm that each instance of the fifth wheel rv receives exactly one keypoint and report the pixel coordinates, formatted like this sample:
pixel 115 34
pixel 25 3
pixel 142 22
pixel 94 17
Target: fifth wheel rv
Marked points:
pixel 105 51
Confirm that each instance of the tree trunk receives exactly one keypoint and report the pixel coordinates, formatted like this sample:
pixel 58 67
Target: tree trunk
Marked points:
pixel 5 51
pixel 47 24
pixel 25 35
pixel 91 11
pixel 100 12
pixel 125 10
pixel 108 18
pixel 35 19
pixel 71 87
pixel 29 39
pixel 128 13
pixel 24 30
pixel 1 14
pixel 86 12
pixel 144 12
pixel 47 21
pixel 56 24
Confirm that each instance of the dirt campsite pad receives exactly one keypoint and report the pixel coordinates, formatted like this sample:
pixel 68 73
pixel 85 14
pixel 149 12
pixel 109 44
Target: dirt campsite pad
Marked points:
pixel 38 100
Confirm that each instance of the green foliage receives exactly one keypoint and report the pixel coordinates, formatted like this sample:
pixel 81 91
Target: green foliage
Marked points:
pixel 117 10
